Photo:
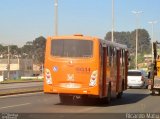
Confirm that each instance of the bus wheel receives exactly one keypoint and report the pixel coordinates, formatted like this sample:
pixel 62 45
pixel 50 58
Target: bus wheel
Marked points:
pixel 84 100
pixel 65 99
pixel 130 87
pixel 153 92
pixel 146 87
pixel 119 95
pixel 108 98
pixel 159 92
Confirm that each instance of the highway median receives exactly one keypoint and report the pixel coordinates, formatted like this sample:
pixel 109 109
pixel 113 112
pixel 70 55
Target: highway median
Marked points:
pixel 12 87
pixel 21 81
pixel 20 91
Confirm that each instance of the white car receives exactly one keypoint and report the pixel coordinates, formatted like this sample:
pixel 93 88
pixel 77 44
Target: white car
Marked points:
pixel 137 78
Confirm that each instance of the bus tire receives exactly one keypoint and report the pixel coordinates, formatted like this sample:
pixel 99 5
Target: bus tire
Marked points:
pixel 153 92
pixel 158 92
pixel 146 87
pixel 108 98
pixel 119 95
pixel 130 87
pixel 65 99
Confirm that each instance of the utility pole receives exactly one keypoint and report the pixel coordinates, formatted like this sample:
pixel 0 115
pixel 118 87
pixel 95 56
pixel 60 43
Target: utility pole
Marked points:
pixel 152 39
pixel 42 69
pixel 8 63
pixel 136 13
pixel 56 17
pixel 112 20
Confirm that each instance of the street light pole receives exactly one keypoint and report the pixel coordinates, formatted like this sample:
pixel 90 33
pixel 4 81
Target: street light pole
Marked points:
pixel 136 13
pixel 112 20
pixel 8 63
pixel 56 17
pixel 152 23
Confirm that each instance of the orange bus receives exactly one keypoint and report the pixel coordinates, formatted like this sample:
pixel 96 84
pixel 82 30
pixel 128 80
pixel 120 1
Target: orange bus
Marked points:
pixel 86 67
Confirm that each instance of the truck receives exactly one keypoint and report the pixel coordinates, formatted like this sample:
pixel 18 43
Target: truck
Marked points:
pixel 154 74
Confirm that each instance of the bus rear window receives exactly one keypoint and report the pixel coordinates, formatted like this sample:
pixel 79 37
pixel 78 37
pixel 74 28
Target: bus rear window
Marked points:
pixel 72 48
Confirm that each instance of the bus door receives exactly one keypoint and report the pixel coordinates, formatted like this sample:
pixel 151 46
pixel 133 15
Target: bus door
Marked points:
pixel 126 69
pixel 104 64
pixel 118 71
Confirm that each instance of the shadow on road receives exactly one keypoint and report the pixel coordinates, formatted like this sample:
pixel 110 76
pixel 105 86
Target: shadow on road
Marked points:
pixel 127 98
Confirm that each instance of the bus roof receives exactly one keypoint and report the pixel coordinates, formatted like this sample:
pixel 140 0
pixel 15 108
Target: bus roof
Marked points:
pixel 114 44
pixel 75 36
pixel 81 36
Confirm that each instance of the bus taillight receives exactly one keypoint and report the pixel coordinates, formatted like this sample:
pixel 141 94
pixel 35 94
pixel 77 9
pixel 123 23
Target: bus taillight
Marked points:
pixel 48 76
pixel 93 79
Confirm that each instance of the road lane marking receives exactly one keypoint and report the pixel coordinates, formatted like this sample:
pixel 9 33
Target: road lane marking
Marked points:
pixel 11 106
pixel 86 109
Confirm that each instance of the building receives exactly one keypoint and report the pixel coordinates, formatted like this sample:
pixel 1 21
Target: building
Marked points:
pixel 18 68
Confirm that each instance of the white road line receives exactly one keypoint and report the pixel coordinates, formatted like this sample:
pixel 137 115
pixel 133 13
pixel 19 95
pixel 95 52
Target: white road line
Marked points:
pixel 86 109
pixel 15 106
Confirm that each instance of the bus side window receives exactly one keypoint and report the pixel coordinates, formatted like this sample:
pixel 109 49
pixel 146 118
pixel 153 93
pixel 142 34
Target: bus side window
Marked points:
pixel 110 55
pixel 112 51
pixel 122 56
pixel 101 54
pixel 107 55
pixel 114 57
pixel 123 61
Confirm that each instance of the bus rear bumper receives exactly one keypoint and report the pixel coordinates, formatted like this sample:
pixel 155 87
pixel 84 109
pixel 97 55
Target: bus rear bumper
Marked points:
pixel 81 91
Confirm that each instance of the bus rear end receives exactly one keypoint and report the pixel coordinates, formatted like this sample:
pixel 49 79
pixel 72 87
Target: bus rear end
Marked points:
pixel 72 66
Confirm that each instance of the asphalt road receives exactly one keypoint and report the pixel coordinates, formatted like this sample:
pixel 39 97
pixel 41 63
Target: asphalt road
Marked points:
pixel 20 85
pixel 133 101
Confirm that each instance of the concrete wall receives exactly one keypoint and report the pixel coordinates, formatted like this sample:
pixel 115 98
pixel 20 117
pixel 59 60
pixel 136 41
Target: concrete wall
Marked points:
pixel 18 68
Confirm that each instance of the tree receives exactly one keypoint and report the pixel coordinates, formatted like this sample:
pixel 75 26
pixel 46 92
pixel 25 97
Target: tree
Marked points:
pixel 144 44
pixel 39 49
pixel 32 49
pixel 120 37
pixel 2 49
pixel 27 51
pixel 14 51
pixel 129 39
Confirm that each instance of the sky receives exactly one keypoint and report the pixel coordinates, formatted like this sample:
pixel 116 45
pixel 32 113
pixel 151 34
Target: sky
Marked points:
pixel 25 20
